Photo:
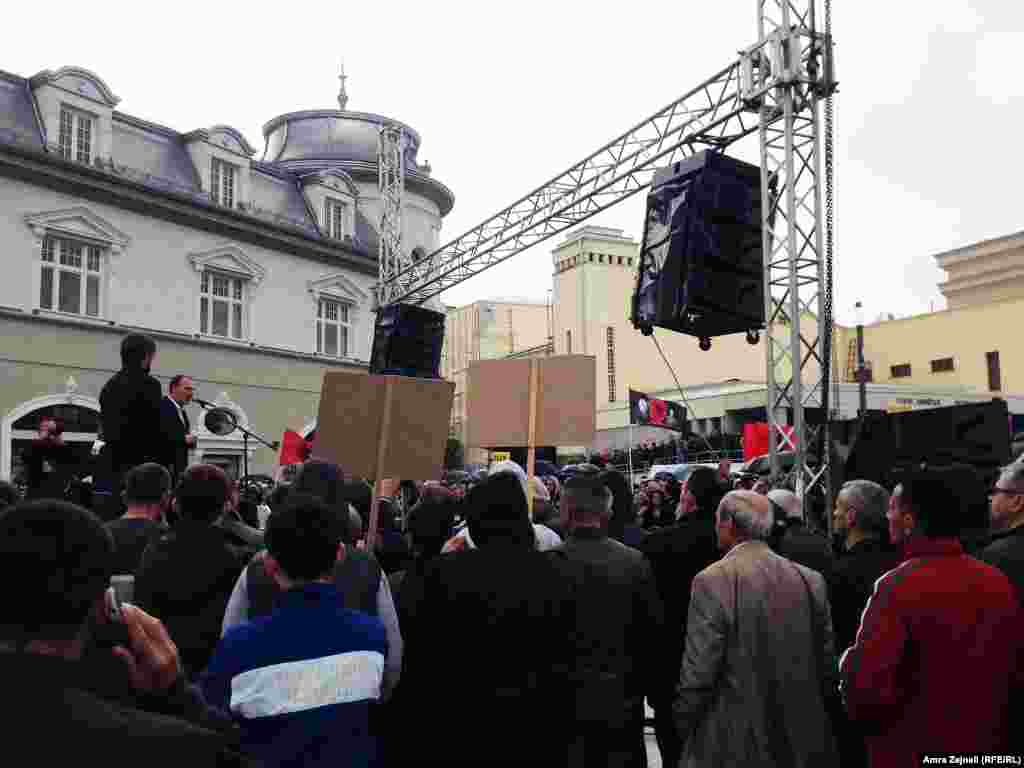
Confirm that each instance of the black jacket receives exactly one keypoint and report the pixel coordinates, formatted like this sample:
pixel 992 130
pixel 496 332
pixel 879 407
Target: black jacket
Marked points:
pixel 618 612
pixel 492 647
pixel 807 547
pixel 677 554
pixel 1006 552
pixel 185 580
pixel 174 450
pixel 55 719
pixel 853 581
pixel 130 412
pixel 49 466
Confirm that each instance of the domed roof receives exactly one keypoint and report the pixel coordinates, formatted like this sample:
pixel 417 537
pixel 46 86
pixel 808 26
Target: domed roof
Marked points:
pixel 319 140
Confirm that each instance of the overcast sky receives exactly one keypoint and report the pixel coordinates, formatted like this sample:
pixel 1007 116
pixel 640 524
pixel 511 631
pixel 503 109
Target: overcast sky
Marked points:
pixel 508 95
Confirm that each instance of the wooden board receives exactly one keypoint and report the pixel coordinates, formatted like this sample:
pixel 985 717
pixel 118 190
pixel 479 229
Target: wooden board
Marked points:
pixel 374 435
pixel 498 402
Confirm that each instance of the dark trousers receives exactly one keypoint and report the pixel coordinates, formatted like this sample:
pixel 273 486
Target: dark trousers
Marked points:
pixel 615 742
pixel 669 743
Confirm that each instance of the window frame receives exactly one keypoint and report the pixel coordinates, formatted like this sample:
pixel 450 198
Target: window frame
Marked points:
pixel 224 178
pixel 51 260
pixel 70 143
pixel 994 369
pixel 336 212
pixel 901 371
pixel 344 326
pixel 943 365
pixel 238 305
pixel 610 339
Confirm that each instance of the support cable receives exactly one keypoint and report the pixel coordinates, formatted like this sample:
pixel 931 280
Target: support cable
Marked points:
pixel 680 387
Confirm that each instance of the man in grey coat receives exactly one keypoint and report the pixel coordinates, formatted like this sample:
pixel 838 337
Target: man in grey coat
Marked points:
pixel 760 653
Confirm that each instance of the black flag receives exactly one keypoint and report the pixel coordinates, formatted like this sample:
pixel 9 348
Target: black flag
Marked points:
pixel 653 412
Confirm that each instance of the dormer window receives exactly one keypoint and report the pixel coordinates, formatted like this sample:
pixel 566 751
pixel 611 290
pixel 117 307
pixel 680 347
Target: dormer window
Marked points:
pixel 75 138
pixel 335 218
pixel 222 182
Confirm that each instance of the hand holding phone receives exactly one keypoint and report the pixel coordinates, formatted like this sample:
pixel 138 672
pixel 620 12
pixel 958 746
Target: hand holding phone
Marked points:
pixel 151 655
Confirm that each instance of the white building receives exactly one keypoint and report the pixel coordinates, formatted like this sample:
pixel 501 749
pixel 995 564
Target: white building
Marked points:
pixel 253 275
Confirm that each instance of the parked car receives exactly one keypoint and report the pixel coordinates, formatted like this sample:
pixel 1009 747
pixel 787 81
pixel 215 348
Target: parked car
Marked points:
pixel 761 466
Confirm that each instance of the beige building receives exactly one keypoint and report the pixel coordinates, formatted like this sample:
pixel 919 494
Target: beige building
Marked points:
pixel 488 330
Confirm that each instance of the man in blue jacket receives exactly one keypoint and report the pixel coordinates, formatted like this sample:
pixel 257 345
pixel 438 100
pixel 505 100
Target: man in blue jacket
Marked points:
pixel 301 681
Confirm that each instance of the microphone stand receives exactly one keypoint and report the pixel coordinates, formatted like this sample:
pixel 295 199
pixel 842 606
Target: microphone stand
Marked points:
pixel 246 434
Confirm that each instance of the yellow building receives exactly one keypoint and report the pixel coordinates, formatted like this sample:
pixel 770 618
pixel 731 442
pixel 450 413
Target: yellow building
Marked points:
pixel 488 330
pixel 972 344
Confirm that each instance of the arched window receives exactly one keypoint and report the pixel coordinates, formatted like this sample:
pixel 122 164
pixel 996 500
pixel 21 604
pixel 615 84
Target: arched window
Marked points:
pixel 78 415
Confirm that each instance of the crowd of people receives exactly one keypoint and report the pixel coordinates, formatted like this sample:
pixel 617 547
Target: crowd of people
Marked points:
pixel 512 618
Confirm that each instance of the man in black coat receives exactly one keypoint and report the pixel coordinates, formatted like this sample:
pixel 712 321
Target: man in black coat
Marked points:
pixel 130 411
pixel 1006 548
pixel 860 519
pixel 799 542
pixel 186 576
pixel 618 612
pixel 492 646
pixel 677 554
pixel 175 428
pixel 58 555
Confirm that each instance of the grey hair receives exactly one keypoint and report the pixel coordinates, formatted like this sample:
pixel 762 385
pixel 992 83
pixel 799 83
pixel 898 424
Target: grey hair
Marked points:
pixel 871 502
pixel 753 519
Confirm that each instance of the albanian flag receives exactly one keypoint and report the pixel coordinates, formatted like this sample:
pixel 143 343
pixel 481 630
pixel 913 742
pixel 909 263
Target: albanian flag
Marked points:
pixel 653 412
pixel 294 449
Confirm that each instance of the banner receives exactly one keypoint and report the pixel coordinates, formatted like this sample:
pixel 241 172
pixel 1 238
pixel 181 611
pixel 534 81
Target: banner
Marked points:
pixel 648 411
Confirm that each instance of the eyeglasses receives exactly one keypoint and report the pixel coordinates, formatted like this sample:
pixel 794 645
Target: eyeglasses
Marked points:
pixel 996 490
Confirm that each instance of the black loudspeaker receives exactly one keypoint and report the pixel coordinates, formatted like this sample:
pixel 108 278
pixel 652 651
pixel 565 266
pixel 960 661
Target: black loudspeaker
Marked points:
pixel 701 266
pixel 867 448
pixel 976 433
pixel 407 341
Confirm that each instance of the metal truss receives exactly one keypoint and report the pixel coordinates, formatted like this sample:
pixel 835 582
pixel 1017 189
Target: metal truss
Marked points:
pixel 786 74
pixel 711 115
pixel 391 185
pixel 773 90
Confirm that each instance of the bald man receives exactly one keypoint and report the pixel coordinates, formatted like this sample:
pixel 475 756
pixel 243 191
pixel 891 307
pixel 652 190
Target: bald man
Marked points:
pixel 746 695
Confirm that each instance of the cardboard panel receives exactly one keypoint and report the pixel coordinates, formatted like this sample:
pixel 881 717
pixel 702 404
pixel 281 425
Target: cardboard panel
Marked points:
pixel 498 401
pixel 352 415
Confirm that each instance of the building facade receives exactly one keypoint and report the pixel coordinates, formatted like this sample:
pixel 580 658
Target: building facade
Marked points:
pixel 253 275
pixel 489 330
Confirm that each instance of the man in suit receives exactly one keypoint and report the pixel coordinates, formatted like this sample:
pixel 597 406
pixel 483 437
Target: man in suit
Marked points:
pixel 175 427
pixel 130 415
pixel 752 687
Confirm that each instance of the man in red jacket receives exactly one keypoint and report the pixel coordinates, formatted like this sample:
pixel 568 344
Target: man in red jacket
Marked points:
pixel 936 654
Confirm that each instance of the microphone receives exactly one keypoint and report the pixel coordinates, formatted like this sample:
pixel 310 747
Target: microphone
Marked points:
pixel 203 403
